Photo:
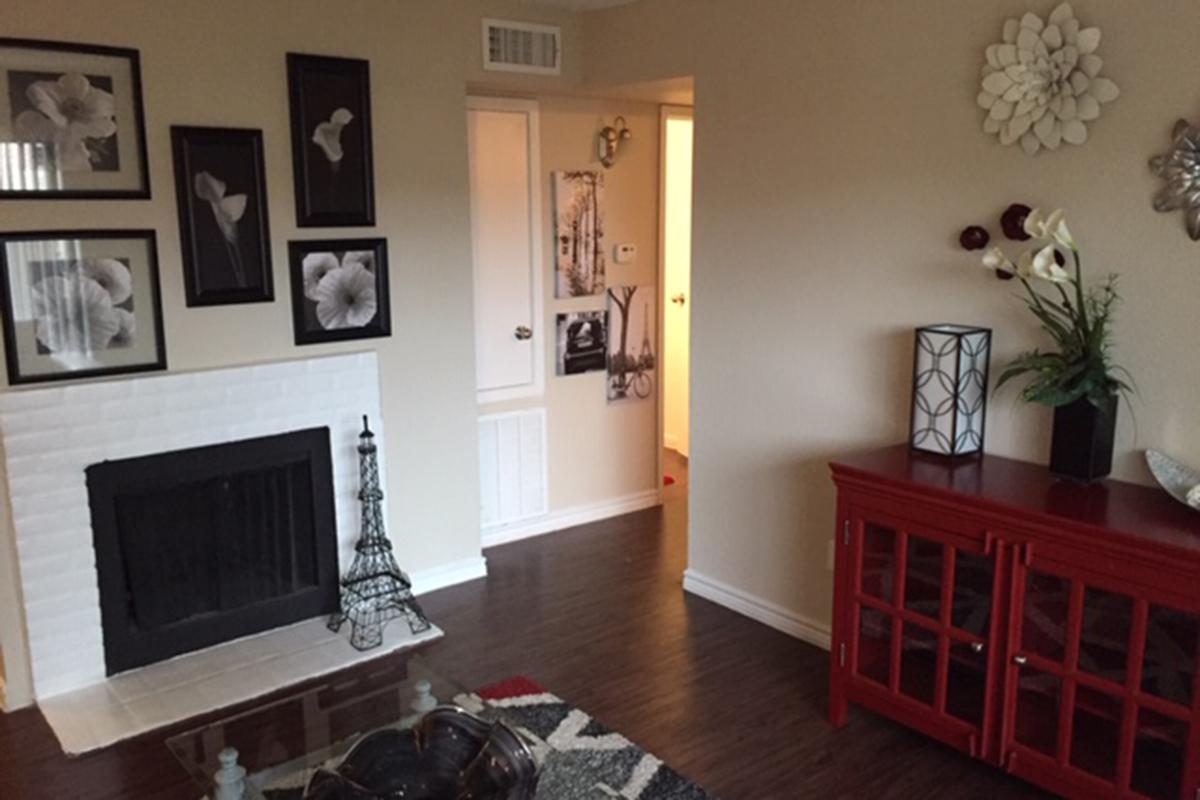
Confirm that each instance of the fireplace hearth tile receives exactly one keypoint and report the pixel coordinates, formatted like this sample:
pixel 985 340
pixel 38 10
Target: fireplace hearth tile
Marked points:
pixel 186 686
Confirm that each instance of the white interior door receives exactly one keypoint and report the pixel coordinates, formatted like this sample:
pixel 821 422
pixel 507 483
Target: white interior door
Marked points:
pixel 505 238
pixel 677 273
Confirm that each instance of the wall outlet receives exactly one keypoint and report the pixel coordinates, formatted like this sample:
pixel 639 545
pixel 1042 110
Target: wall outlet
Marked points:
pixel 830 554
pixel 625 253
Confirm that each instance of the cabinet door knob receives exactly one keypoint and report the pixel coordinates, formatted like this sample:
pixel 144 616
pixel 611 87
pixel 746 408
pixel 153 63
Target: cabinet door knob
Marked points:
pixel 523 332
pixel 679 299
pixel 976 647
pixel 1020 660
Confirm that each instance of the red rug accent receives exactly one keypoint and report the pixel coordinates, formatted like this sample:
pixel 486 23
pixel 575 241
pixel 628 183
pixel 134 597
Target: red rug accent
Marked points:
pixel 513 687
pixel 668 480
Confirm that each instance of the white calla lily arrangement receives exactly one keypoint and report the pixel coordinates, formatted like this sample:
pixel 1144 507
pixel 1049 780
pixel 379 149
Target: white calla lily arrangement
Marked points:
pixel 1078 319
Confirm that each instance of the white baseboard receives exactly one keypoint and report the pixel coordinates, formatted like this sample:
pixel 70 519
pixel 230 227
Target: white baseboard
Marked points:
pixel 430 580
pixel 569 518
pixel 764 611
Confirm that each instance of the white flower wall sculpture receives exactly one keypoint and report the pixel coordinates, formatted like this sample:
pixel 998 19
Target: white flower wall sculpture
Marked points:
pixel 1042 85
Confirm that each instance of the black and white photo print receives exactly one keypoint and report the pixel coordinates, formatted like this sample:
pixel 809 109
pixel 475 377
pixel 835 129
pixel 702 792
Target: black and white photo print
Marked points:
pixel 80 304
pixel 631 343
pixel 579 261
pixel 71 121
pixel 221 191
pixel 582 342
pixel 330 102
pixel 339 290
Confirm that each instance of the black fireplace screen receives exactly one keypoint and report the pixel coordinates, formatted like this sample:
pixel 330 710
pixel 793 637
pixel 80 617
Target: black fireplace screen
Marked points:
pixel 200 546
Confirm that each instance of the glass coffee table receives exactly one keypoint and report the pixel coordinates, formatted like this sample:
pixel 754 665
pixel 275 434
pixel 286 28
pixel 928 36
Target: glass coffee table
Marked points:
pixel 287 736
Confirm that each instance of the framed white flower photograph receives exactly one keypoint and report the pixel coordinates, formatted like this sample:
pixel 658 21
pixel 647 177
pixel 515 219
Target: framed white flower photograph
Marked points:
pixel 339 290
pixel 330 101
pixel 80 304
pixel 221 191
pixel 71 122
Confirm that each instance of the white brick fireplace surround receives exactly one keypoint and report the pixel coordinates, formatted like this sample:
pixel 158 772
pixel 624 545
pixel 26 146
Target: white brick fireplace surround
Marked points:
pixel 52 434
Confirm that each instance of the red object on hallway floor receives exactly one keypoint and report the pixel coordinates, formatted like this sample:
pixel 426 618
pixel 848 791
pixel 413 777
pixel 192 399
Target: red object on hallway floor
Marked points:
pixel 513 687
pixel 668 480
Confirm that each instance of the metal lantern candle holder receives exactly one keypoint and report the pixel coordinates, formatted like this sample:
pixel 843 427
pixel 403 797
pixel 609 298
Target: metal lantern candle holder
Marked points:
pixel 950 380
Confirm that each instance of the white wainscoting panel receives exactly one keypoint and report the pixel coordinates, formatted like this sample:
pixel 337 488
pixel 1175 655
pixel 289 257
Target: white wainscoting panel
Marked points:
pixel 512 466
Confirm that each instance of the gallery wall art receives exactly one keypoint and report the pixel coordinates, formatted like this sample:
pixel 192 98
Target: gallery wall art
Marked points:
pixel 71 122
pixel 330 101
pixel 339 290
pixel 79 304
pixel 582 342
pixel 631 343
pixel 1042 83
pixel 579 259
pixel 221 190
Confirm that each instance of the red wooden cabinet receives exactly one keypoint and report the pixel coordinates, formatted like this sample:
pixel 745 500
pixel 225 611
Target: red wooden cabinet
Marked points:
pixel 1047 628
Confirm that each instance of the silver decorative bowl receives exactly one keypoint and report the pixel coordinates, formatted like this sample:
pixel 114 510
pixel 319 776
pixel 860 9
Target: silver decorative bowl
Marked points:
pixel 1181 481
pixel 451 754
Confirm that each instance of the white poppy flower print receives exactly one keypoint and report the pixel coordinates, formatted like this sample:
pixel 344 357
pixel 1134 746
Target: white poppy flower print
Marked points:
pixel 328 135
pixel 346 297
pixel 73 314
pixel 112 275
pixel 70 113
pixel 315 267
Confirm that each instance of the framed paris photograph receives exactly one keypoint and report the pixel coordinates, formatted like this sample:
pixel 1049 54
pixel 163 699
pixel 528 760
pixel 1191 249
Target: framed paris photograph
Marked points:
pixel 80 304
pixel 221 191
pixel 330 102
pixel 71 122
pixel 339 290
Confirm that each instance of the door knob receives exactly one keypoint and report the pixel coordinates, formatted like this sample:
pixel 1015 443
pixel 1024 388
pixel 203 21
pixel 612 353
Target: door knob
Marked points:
pixel 679 299
pixel 976 647
pixel 1020 660
pixel 523 332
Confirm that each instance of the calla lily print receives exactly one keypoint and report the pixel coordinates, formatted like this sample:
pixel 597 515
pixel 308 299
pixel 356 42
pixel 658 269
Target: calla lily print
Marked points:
pixel 339 293
pixel 331 140
pixel 328 136
pixel 227 211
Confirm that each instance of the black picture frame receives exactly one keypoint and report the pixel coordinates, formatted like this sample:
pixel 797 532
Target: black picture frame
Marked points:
pixel 334 180
pixel 225 260
pixel 102 153
pixel 22 340
pixel 307 276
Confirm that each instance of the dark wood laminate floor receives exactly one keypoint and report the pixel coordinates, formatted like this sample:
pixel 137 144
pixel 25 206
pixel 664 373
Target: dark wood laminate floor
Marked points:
pixel 597 615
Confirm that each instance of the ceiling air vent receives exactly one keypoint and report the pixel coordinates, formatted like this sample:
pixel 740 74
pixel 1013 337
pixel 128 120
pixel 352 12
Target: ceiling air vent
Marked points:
pixel 521 47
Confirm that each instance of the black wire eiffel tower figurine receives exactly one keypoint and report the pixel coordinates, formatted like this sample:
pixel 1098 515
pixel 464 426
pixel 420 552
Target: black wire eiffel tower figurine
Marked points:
pixel 375 590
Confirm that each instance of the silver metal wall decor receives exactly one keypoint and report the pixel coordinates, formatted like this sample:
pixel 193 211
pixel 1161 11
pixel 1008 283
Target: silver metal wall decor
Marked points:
pixel 950 379
pixel 1180 171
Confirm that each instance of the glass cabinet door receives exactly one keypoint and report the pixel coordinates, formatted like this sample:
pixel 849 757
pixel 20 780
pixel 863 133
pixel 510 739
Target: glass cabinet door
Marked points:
pixel 923 608
pixel 1100 684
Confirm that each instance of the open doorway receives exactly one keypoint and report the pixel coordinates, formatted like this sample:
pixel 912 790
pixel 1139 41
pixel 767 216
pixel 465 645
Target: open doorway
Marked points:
pixel 675 231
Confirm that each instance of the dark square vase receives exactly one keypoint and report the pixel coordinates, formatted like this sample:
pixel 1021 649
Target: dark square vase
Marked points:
pixel 1082 446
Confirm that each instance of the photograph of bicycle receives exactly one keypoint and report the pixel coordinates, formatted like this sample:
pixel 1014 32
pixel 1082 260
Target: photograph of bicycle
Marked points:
pixel 631 359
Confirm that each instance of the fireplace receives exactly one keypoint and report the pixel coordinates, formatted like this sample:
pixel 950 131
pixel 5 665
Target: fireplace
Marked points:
pixel 200 546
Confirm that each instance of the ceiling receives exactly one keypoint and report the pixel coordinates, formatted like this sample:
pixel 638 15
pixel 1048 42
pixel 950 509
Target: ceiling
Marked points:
pixel 581 5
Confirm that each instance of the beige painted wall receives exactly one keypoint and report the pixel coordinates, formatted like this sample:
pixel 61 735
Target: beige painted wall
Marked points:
pixel 839 152
pixel 597 452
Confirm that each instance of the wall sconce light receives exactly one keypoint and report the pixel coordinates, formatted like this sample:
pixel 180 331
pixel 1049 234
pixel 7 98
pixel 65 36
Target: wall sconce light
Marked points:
pixel 610 138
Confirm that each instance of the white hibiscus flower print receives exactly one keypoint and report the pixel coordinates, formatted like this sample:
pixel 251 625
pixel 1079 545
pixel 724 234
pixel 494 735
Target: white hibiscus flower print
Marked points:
pixel 70 113
pixel 346 297
pixel 124 335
